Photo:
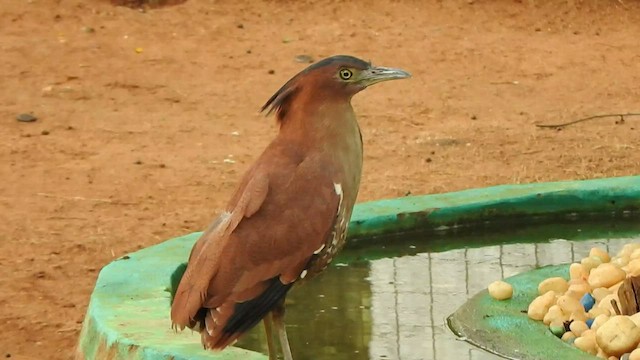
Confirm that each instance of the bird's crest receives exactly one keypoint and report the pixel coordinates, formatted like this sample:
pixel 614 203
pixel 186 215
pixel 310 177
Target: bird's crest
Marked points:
pixel 282 99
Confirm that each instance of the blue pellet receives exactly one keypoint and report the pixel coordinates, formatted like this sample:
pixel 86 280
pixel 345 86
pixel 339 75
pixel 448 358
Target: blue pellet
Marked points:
pixel 587 301
pixel 589 323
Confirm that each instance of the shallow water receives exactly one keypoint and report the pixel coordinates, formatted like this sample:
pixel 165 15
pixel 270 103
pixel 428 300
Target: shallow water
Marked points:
pixel 391 301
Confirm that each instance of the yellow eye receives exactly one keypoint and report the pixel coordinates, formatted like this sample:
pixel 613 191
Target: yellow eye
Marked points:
pixel 345 74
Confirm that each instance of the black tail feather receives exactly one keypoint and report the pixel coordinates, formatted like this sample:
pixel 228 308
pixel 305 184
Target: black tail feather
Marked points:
pixel 247 314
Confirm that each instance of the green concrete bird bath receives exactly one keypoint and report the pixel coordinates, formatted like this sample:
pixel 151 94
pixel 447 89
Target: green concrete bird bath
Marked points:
pixel 410 263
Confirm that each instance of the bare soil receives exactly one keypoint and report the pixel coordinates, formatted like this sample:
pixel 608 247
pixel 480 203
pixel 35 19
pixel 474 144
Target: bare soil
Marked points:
pixel 138 110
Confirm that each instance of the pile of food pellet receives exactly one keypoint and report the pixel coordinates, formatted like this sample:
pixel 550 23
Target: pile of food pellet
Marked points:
pixel 580 311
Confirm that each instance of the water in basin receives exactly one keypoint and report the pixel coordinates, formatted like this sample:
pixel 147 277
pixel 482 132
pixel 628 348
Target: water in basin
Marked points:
pixel 390 301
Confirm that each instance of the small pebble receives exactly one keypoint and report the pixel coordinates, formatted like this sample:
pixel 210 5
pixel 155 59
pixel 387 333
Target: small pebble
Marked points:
pixel 591 262
pixel 568 335
pixel 554 314
pixel 577 289
pixel 606 303
pixel 578 315
pixel 578 327
pixel 587 301
pixel 555 284
pixel 577 272
pixel 26 118
pixel 500 290
pixel 618 336
pixel 598 321
pixel 621 261
pixel 606 275
pixel 586 344
pixel 569 304
pixel 47 90
pixel 597 311
pixel 633 267
pixel 45 132
pixel 600 293
pixel 305 59
pixel 603 255
pixel 271 72
pixel 540 305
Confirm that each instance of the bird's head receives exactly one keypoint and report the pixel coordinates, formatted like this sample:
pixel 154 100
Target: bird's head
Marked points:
pixel 336 77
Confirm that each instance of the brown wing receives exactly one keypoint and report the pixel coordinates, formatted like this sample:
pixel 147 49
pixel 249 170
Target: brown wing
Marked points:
pixel 244 266
pixel 205 255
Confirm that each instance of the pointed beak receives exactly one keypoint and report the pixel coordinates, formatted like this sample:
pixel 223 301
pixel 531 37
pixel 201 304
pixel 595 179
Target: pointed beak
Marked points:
pixel 376 74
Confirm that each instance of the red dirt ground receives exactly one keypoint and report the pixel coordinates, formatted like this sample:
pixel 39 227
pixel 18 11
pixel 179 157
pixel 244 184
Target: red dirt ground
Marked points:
pixel 138 110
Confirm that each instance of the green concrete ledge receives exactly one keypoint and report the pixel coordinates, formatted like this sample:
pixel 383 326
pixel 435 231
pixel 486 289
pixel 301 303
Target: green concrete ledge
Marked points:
pixel 525 204
pixel 128 314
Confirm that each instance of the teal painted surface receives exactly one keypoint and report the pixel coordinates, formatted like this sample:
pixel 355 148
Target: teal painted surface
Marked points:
pixel 503 329
pixel 128 315
pixel 513 203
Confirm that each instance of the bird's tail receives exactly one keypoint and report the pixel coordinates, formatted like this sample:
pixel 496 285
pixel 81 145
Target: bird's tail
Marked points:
pixel 222 326
pixel 226 323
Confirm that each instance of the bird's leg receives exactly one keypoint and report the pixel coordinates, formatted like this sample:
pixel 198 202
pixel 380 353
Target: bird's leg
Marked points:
pixel 268 326
pixel 278 320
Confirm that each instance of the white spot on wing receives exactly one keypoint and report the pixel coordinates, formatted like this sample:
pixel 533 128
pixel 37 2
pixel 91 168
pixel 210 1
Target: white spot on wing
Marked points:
pixel 338 188
pixel 303 274
pixel 319 249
